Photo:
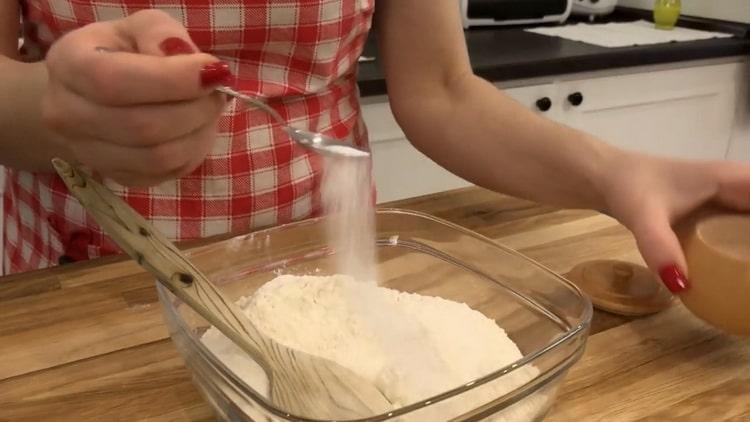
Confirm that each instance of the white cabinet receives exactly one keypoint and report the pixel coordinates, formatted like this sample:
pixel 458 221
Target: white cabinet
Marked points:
pixel 687 112
pixel 399 170
pixel 543 98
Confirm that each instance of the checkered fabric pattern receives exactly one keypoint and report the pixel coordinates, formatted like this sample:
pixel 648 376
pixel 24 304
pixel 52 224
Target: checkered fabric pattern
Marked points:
pixel 300 55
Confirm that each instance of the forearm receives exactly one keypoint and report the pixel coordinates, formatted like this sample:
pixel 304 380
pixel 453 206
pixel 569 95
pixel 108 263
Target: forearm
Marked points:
pixel 25 143
pixel 484 136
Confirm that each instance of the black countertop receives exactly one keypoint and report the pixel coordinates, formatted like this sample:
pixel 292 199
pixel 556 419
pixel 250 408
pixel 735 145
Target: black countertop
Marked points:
pixel 503 54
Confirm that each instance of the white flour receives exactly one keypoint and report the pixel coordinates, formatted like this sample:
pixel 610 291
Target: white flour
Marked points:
pixel 411 346
pixel 349 205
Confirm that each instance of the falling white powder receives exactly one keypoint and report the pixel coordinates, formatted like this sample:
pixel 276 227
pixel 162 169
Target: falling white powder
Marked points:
pixel 350 210
pixel 346 151
pixel 411 346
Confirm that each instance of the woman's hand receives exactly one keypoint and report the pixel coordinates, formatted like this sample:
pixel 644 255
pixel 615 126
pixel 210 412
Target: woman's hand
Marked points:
pixel 129 100
pixel 469 127
pixel 649 194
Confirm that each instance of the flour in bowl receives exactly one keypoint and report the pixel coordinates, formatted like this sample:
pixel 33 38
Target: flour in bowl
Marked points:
pixel 411 346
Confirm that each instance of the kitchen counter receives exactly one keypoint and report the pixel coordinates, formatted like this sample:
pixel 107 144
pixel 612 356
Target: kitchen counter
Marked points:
pixel 509 53
pixel 86 341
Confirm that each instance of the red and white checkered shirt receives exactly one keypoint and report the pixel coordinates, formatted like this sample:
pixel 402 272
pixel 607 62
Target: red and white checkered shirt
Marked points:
pixel 300 55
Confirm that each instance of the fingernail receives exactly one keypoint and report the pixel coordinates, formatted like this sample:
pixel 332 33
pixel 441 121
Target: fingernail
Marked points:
pixel 173 46
pixel 215 74
pixel 674 279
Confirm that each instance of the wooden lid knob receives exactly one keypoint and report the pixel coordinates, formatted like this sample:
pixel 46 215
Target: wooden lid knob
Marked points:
pixel 621 287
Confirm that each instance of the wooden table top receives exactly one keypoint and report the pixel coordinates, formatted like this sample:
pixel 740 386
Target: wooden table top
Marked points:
pixel 86 341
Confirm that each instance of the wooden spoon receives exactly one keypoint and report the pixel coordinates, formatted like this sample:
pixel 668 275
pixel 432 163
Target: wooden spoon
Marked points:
pixel 301 384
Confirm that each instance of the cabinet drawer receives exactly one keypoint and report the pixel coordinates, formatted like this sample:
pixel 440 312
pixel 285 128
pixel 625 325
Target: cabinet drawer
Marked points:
pixel 637 89
pixel 381 125
pixel 400 171
pixel 687 113
pixel 543 99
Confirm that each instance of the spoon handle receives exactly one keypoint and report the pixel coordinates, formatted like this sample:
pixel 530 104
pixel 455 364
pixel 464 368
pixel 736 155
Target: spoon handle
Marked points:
pixel 154 252
pixel 254 102
pixel 312 140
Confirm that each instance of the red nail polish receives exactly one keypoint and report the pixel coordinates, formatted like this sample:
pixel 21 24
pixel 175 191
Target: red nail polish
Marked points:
pixel 173 46
pixel 215 74
pixel 674 279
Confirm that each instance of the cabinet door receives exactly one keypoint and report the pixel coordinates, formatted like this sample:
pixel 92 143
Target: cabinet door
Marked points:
pixel 399 170
pixel 685 113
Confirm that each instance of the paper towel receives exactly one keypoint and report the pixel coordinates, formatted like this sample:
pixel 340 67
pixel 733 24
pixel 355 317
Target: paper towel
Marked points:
pixel 625 34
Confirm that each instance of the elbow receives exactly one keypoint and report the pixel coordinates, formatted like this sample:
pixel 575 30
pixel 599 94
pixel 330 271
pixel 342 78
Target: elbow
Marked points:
pixel 405 111
pixel 414 116
pixel 424 112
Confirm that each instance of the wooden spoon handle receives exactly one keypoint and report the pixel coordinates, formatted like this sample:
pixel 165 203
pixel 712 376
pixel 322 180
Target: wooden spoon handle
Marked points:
pixel 154 252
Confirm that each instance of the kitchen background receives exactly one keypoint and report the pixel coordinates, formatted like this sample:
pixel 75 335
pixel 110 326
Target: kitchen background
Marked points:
pixel 646 98
pixel 731 10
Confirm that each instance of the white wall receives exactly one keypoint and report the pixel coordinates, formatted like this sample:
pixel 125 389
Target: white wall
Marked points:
pixel 730 10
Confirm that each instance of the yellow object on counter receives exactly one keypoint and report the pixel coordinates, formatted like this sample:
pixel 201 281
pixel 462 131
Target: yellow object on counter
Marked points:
pixel 666 13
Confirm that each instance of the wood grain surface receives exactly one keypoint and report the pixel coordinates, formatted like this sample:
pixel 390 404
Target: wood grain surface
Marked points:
pixel 86 341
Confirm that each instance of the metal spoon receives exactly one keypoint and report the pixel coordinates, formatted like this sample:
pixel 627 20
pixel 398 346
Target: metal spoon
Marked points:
pixel 302 384
pixel 313 140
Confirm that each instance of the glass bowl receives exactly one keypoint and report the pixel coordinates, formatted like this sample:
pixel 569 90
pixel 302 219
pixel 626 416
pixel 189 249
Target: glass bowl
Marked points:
pixel 545 315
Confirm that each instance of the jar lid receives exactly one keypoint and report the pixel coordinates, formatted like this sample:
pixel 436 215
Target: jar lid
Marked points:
pixel 621 287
